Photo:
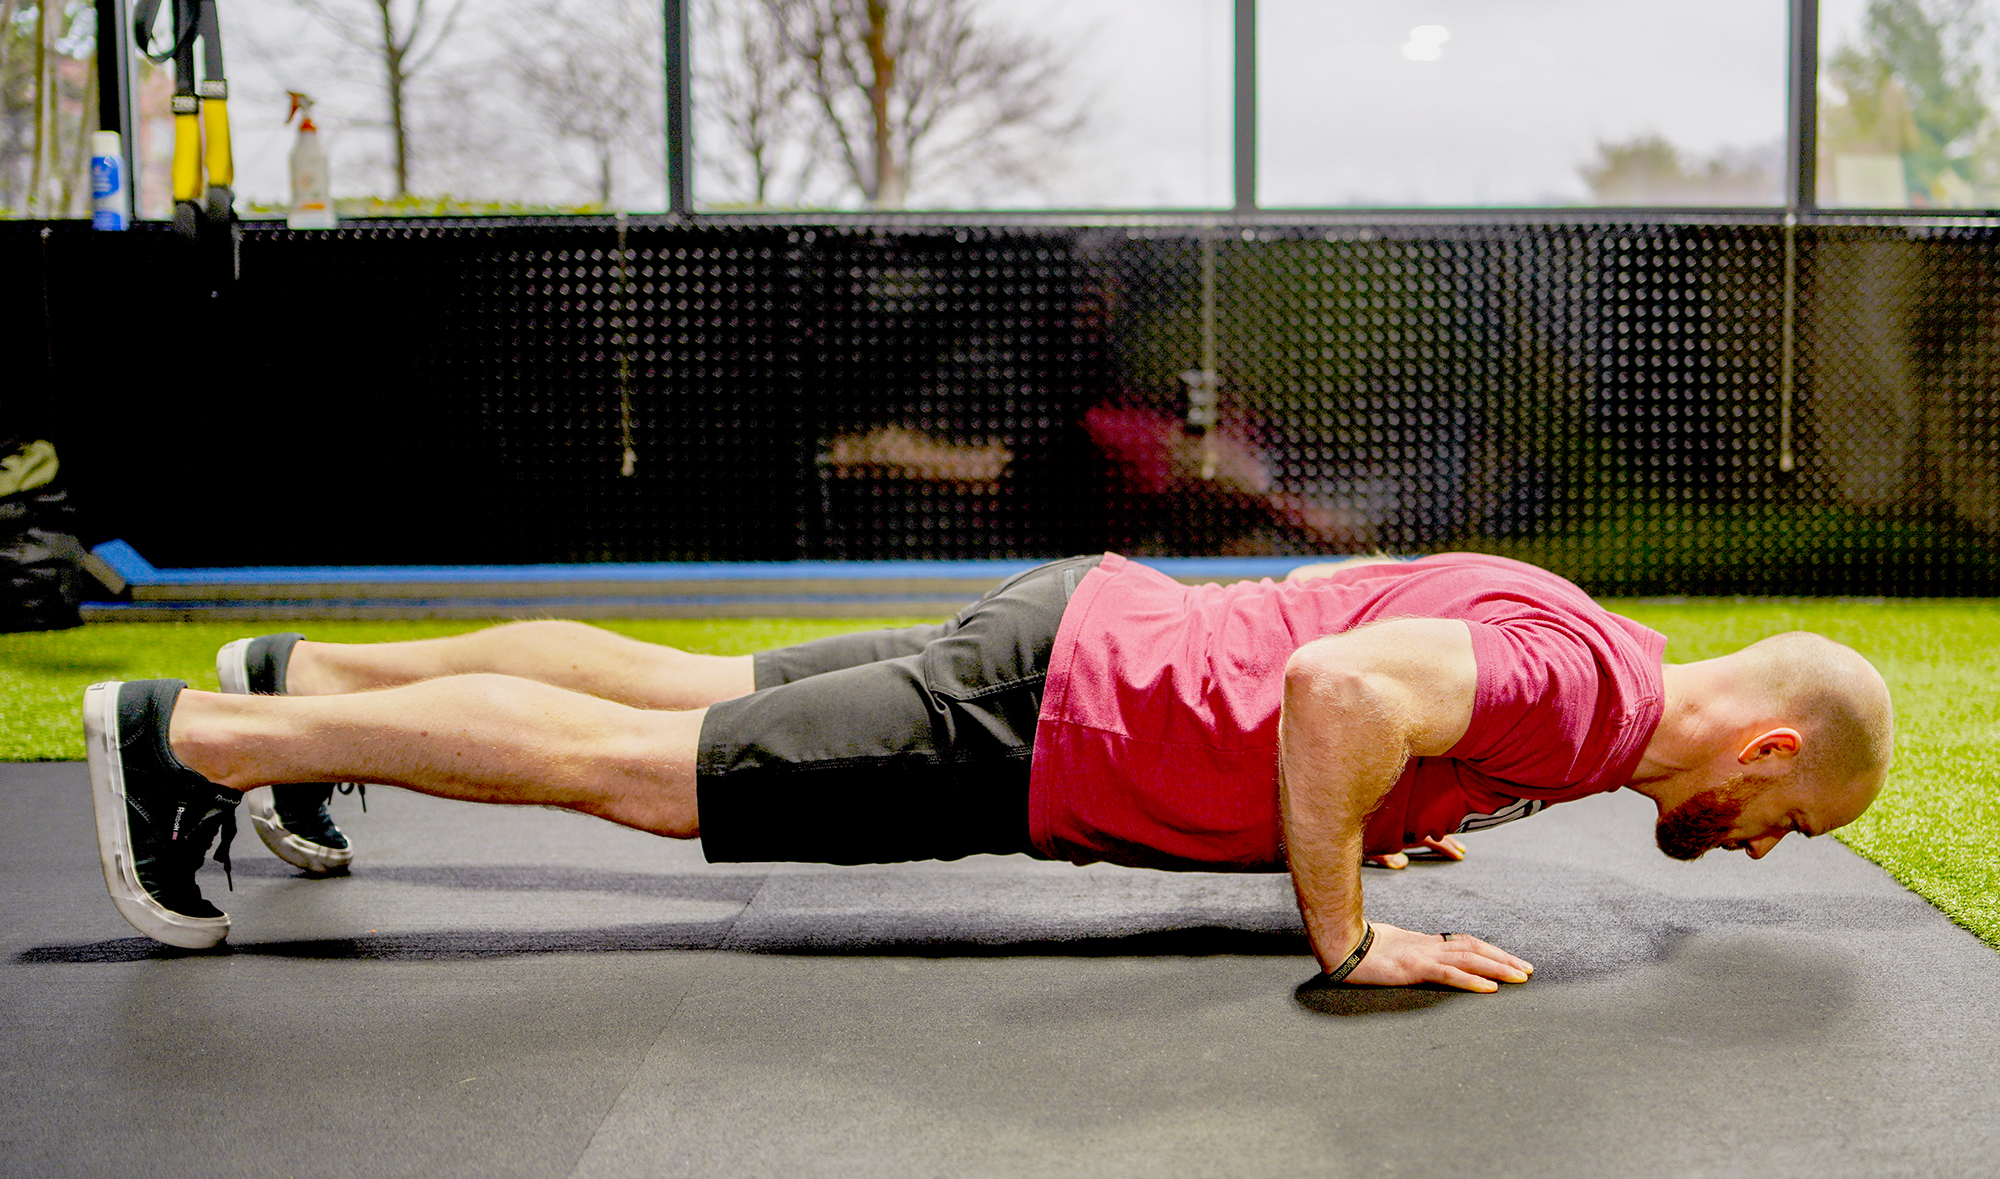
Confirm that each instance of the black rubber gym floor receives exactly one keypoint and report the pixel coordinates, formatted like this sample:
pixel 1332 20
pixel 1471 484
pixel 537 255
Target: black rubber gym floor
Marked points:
pixel 517 992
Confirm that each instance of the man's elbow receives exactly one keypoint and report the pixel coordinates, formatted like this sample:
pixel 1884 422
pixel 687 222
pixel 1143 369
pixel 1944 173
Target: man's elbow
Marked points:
pixel 1314 678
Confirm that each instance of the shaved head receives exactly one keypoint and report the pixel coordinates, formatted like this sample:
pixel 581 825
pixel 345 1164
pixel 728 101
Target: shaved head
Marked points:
pixel 1839 704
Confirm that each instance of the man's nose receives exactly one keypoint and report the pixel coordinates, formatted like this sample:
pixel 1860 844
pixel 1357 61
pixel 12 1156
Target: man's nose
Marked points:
pixel 1759 848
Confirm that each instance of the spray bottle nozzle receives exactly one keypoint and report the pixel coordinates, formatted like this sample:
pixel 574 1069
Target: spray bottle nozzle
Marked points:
pixel 300 102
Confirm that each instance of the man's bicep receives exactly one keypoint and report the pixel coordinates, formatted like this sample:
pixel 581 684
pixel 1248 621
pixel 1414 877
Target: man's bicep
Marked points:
pixel 1419 672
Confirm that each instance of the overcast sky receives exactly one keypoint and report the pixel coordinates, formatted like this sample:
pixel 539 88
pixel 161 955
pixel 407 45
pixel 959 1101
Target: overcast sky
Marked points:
pixel 1508 101
pixel 1474 102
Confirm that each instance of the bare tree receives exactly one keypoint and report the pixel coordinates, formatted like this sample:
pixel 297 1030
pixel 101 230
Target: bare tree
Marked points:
pixel 45 107
pixel 48 107
pixel 754 93
pixel 406 38
pixel 6 34
pixel 899 81
pixel 591 71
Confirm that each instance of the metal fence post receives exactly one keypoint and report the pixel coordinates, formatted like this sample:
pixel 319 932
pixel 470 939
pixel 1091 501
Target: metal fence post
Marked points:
pixel 117 98
pixel 1801 181
pixel 680 123
pixel 1246 106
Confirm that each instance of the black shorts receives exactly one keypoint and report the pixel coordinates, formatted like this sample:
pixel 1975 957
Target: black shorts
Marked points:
pixel 888 745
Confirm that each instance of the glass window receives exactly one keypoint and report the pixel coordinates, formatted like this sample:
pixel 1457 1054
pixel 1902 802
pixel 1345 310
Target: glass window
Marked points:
pixel 48 108
pixel 1055 104
pixel 1906 104
pixel 475 106
pixel 1527 102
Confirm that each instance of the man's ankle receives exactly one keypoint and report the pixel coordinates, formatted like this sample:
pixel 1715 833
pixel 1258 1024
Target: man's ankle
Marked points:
pixel 198 737
pixel 311 673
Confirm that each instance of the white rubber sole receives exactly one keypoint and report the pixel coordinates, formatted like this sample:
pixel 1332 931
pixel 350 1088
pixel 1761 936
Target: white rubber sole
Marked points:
pixel 114 835
pixel 230 667
pixel 316 858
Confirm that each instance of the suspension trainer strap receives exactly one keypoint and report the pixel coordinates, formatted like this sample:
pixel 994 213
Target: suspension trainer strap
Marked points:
pixel 144 13
pixel 219 162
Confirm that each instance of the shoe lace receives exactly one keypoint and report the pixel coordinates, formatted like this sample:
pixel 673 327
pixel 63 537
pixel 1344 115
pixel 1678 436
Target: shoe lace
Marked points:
pixel 222 844
pixel 360 788
pixel 175 887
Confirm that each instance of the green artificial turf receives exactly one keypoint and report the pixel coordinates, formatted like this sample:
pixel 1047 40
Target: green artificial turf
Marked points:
pixel 1934 825
pixel 1932 828
pixel 43 675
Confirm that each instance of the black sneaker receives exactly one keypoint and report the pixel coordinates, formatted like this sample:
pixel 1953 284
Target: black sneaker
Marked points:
pixel 155 817
pixel 292 820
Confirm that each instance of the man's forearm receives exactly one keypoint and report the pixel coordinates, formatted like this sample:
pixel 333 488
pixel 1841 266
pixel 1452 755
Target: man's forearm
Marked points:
pixel 1357 707
pixel 1338 757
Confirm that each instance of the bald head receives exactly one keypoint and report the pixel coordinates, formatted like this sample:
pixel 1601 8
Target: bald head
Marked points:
pixel 1839 704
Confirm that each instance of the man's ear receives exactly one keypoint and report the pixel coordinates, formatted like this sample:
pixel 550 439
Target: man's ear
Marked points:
pixel 1781 743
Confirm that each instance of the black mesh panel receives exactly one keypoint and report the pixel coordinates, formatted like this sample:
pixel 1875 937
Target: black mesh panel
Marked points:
pixel 1610 398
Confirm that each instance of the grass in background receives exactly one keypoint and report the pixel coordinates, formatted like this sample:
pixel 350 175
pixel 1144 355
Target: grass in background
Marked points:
pixel 1632 546
pixel 1933 828
pixel 1935 824
pixel 43 675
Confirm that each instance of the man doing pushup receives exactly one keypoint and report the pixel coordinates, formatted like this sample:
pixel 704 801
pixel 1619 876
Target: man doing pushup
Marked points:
pixel 1092 709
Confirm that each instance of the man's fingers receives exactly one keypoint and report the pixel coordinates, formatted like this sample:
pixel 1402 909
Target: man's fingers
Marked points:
pixel 1463 961
pixel 1452 976
pixel 1448 846
pixel 1435 848
pixel 1473 952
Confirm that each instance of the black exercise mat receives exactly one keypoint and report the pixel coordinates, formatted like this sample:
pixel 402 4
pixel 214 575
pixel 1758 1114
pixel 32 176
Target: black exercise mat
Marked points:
pixel 505 991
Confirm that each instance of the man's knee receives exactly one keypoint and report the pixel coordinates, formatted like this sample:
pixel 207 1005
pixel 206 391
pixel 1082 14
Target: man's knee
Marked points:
pixel 549 629
pixel 656 757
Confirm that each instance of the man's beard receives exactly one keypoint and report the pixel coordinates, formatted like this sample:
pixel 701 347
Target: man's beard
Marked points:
pixel 1700 824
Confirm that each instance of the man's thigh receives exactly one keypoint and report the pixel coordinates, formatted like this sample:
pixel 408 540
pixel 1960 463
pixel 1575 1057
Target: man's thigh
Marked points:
pixel 865 765
pixel 920 756
pixel 838 652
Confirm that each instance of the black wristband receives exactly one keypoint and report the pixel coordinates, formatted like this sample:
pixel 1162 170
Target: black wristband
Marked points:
pixel 1353 960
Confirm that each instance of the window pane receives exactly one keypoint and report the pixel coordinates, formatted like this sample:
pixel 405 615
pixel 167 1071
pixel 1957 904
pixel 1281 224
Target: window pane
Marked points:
pixel 1520 102
pixel 506 105
pixel 48 108
pixel 1906 96
pixel 1062 104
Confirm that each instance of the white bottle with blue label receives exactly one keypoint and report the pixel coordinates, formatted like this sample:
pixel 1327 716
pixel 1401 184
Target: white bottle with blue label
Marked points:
pixel 110 194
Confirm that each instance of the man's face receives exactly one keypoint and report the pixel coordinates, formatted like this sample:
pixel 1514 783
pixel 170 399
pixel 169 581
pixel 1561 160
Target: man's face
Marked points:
pixel 1738 815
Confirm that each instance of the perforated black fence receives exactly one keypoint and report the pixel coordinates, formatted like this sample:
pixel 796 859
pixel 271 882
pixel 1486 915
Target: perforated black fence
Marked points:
pixel 1610 398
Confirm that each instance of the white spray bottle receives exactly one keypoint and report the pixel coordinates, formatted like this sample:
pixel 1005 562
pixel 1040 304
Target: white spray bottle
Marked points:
pixel 312 200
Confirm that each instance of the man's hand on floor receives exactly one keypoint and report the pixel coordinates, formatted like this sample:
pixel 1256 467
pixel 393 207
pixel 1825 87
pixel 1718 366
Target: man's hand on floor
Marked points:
pixel 1448 848
pixel 1401 958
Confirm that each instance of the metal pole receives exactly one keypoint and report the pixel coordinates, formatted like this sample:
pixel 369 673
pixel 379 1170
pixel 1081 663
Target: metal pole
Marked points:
pixel 1246 106
pixel 622 302
pixel 1204 384
pixel 1802 106
pixel 1801 129
pixel 1787 344
pixel 680 124
pixel 1212 376
pixel 117 97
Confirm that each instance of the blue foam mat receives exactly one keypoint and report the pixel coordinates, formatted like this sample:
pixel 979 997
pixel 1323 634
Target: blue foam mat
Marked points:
pixel 139 571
